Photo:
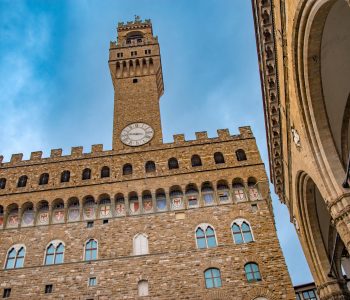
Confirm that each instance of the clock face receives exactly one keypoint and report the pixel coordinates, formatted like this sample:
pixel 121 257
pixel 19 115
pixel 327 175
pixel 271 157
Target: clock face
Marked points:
pixel 136 134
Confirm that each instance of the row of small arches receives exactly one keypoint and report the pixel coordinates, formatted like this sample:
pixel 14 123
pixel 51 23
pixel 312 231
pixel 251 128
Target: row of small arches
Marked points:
pixel 59 212
pixel 150 166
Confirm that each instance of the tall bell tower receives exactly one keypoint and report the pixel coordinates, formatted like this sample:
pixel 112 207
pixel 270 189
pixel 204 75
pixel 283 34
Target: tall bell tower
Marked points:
pixel 136 70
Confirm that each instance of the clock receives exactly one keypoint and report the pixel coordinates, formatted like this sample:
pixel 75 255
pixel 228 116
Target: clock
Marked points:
pixel 136 134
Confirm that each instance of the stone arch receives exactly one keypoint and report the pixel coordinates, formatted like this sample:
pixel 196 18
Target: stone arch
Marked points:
pixel 317 235
pixel 320 84
pixel 260 293
pixel 216 295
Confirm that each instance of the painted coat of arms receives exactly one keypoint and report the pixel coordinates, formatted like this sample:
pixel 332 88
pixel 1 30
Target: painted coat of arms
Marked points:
pixel 105 211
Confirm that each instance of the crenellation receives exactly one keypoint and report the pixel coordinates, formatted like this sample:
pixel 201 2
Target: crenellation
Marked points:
pixel 1 159
pixel 36 155
pixel 77 151
pixel 202 135
pixel 56 153
pixel 15 158
pixel 223 133
pixel 246 132
pixel 179 138
pixel 97 148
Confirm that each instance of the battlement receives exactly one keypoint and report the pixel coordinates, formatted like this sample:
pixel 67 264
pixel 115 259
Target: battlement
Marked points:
pixel 136 24
pixel 179 140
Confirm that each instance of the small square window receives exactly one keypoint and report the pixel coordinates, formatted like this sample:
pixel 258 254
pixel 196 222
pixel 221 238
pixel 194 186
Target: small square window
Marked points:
pixel 254 207
pixel 105 221
pixel 134 80
pixel 92 281
pixel 48 289
pixel 7 293
pixel 90 224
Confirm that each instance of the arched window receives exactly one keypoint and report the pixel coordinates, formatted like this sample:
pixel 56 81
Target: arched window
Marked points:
pixel 207 193
pixel 54 253
pixel 105 207
pixel 65 176
pixel 127 169
pixel 219 158
pixel 91 250
pixel 134 205
pixel 44 179
pixel 2 183
pixel 223 191
pixel 58 211
pixel 13 218
pixel 196 160
pixel 176 198
pixel 238 190
pixel 89 208
pixel 252 272
pixel 73 210
pixel 150 167
pixel 161 200
pixel 192 195
pixel 205 236
pixel 253 189
pixel 212 278
pixel 15 257
pixel 140 244
pixel 147 203
pixel 240 154
pixel 119 205
pixel 28 214
pixel 173 163
pixel 22 181
pixel 105 172
pixel 143 288
pixel 86 174
pixel 241 232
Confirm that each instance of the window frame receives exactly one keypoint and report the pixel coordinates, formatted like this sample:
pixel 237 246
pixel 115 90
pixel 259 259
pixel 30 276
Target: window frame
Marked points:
pixel 212 278
pixel 55 244
pixel 134 244
pixel 250 264
pixel 16 248
pixel 204 227
pixel 239 222
pixel 23 178
pixel 90 249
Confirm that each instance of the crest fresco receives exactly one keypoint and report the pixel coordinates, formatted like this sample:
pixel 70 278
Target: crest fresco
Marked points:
pixel 28 218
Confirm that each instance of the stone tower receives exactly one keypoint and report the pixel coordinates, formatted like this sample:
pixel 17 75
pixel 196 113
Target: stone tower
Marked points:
pixel 136 71
pixel 190 219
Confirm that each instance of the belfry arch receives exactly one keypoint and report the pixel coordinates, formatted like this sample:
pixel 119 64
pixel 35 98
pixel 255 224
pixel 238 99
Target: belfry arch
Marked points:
pixel 324 249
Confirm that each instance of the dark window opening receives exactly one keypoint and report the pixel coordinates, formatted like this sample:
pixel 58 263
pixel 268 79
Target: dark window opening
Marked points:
pixel 48 289
pixel 65 176
pixel 150 166
pixel 86 174
pixel 22 181
pixel 7 293
pixel 134 80
pixel 105 221
pixel 196 161
pixel 2 183
pixel 90 224
pixel 127 169
pixel 44 179
pixel 173 163
pixel 240 154
pixel 105 172
pixel 219 158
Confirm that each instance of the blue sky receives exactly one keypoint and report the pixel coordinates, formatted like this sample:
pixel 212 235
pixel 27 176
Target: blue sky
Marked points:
pixel 56 91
